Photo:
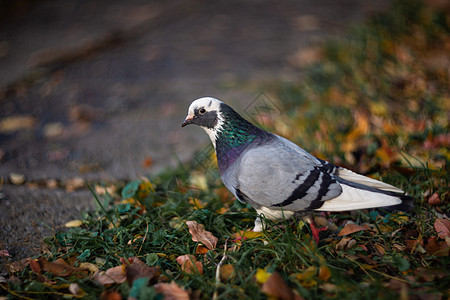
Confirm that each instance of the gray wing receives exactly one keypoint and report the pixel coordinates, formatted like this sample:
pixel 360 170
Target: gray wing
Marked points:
pixel 280 175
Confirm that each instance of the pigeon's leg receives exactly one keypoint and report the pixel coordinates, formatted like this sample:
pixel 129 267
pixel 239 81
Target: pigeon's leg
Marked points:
pixel 314 230
pixel 258 225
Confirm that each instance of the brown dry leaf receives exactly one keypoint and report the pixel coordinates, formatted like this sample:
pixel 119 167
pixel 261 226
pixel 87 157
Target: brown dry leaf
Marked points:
pixel 189 264
pixel 437 248
pixel 379 250
pixel 276 287
pixel 226 272
pixel 58 267
pixel 138 269
pixel 199 234
pixel 18 266
pixel 16 123
pixel 352 228
pixel 434 199
pixel 342 243
pixel 171 291
pixel 112 275
pixel 442 227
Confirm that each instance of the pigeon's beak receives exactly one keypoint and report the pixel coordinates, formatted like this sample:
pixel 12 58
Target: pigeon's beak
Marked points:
pixel 187 121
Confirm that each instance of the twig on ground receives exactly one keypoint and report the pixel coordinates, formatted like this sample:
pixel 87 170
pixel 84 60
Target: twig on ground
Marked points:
pixel 215 295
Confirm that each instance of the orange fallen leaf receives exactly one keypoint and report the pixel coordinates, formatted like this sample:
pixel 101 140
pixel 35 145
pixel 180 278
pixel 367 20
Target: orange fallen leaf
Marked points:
pixel 442 227
pixel 352 228
pixel 110 295
pixel 171 291
pixel 189 264
pixel 276 287
pixel 201 250
pixel 226 272
pixel 324 273
pixel 199 234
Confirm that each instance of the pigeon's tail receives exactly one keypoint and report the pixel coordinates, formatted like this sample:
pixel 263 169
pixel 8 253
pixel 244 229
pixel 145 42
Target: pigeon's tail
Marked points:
pixel 357 196
pixel 406 205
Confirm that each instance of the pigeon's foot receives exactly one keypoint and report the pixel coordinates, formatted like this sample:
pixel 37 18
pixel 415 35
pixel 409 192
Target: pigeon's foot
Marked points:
pixel 315 231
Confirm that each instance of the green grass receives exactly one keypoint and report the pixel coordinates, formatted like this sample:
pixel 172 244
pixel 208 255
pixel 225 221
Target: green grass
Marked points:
pixel 377 102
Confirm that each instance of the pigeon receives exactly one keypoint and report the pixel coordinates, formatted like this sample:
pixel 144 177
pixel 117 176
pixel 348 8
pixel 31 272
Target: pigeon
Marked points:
pixel 278 178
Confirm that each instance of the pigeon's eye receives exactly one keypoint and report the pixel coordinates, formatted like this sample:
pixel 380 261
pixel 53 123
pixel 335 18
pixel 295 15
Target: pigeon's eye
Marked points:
pixel 202 111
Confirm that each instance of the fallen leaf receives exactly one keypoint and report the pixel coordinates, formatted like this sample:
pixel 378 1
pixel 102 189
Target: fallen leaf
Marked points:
pixel 112 275
pixel 442 227
pixel 73 223
pixel 343 243
pixel 74 184
pixel 249 234
pixel 91 268
pixel 199 234
pixel 53 130
pixel 437 248
pixel 328 287
pixel 308 277
pixel 434 199
pixel 227 272
pixel 276 287
pixel 189 264
pixel 352 228
pixel 324 273
pixel 138 269
pixel 58 267
pixel 171 291
pixel 4 253
pixel 379 250
pixel 103 190
pixel 201 250
pixel 16 178
pixel 74 289
pixel 262 275
pixel 110 295
pixel 16 123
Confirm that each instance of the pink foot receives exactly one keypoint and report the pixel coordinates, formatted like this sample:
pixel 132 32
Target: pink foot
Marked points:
pixel 315 231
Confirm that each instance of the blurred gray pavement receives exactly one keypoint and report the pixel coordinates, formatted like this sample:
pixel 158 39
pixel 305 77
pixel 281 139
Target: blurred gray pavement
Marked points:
pixel 97 90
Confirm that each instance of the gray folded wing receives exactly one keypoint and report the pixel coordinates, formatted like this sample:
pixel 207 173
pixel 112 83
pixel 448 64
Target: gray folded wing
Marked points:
pixel 281 175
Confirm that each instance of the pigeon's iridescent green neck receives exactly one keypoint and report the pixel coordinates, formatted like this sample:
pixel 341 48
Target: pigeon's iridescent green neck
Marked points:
pixel 234 136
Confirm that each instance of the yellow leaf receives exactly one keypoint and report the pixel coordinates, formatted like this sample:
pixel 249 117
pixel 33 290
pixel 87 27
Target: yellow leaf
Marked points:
pixel 401 219
pixel 247 234
pixel 196 203
pixel 378 108
pixel 262 275
pixel 74 223
pixel 307 274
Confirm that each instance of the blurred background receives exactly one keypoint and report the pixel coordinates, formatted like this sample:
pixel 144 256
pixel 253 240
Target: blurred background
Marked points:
pixel 97 90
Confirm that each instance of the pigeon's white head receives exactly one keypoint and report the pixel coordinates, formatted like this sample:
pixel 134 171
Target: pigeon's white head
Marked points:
pixel 205 112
